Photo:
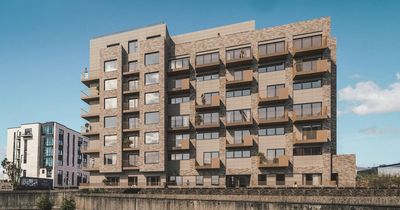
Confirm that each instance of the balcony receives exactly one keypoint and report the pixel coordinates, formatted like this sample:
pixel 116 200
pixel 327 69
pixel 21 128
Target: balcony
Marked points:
pixel 181 127
pixel 179 66
pixel 130 165
pixel 92 146
pixel 311 49
pixel 312 137
pixel 264 56
pixel 130 145
pixel 130 108
pixel 129 88
pixel 93 165
pixel 237 57
pixel 88 77
pixel 281 95
pixel 92 112
pixel 200 124
pixel 207 105
pixel 279 162
pixel 215 164
pixel 27 133
pixel 131 127
pixel 322 115
pixel 91 94
pixel 237 118
pixel 245 79
pixel 246 142
pixel 183 87
pixel 126 70
pixel 311 68
pixel 281 119
pixel 208 61
pixel 90 129
pixel 184 145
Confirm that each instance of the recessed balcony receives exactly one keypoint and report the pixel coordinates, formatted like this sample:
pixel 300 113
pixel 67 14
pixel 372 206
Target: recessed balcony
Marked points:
pixel 88 77
pixel 183 145
pixel 130 165
pixel 130 69
pixel 215 164
pixel 277 119
pixel 278 162
pixel 131 126
pixel 208 61
pixel 214 103
pixel 92 146
pixel 130 108
pixel 238 57
pixel 310 47
pixel 247 141
pixel 92 165
pixel 90 129
pixel 311 68
pixel 246 78
pixel 92 112
pixel 310 116
pixel 179 66
pixel 207 125
pixel 276 54
pixel 312 137
pixel 129 88
pixel 179 86
pixel 279 96
pixel 130 145
pixel 91 94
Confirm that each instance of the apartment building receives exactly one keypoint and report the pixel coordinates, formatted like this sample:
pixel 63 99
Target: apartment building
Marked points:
pixel 231 106
pixel 49 151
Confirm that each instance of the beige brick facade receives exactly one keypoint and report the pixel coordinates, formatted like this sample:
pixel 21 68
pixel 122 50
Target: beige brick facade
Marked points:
pixel 252 150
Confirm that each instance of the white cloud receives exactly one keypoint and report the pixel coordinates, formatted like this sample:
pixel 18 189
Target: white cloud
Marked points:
pixel 368 98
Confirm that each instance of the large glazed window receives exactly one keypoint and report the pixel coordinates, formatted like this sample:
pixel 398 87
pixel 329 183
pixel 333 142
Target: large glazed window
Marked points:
pixel 110 65
pixel 110 122
pixel 152 78
pixel 152 117
pixel 152 58
pixel 151 137
pixel 110 103
pixel 151 157
pixel 110 140
pixel 110 84
pixel 152 98
pixel 110 159
pixel 133 46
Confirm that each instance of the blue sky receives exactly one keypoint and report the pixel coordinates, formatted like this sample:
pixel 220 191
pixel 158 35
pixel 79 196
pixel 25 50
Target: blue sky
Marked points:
pixel 45 44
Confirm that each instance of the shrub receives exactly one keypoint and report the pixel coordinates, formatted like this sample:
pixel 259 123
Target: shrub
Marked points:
pixel 44 203
pixel 68 204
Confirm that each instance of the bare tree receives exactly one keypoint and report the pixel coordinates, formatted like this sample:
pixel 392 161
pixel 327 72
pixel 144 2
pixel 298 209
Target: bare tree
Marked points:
pixel 12 170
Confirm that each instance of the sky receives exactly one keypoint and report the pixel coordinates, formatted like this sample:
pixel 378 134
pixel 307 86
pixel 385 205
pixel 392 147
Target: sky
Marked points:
pixel 44 45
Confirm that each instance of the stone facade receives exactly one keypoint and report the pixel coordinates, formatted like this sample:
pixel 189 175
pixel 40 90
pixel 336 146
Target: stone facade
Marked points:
pixel 315 166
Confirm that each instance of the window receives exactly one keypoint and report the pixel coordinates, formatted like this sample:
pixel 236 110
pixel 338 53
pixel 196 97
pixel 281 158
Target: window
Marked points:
pixel 151 117
pixel 207 58
pixel 151 58
pixel 113 45
pixel 262 179
pixel 238 75
pixel 113 181
pixel 238 154
pixel 280 179
pixel 199 180
pixel 133 103
pixel 215 180
pixel 271 131
pixel 238 93
pixel 309 109
pixel 272 90
pixel 110 65
pixel 207 135
pixel 110 159
pixel 176 180
pixel 271 112
pixel 179 156
pixel 179 121
pixel 152 98
pixel 272 154
pixel 302 151
pixel 153 37
pixel 133 66
pixel 130 159
pixel 151 157
pixel 133 122
pixel 179 63
pixel 151 78
pixel 209 118
pixel 238 53
pixel 151 137
pixel 180 83
pixel 206 77
pixel 239 135
pixel 110 103
pixel 110 140
pixel 243 115
pixel 206 98
pixel 307 85
pixel 132 85
pixel 133 46
pixel 152 180
pixel 110 84
pixel 272 48
pixel 180 99
pixel 179 137
pixel 132 181
pixel 110 122
pixel 208 156
pixel 307 42
pixel 272 67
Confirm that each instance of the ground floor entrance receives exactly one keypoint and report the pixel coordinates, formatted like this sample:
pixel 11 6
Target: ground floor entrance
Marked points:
pixel 233 181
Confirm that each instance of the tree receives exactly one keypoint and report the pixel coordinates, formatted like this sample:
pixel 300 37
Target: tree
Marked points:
pixel 68 204
pixel 12 170
pixel 44 203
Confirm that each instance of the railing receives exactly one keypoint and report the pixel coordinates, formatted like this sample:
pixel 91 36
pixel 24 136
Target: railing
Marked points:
pixel 134 69
pixel 127 163
pixel 185 84
pixel 92 109
pixel 131 86
pixel 238 54
pixel 314 66
pixel 134 125
pixel 245 118
pixel 279 94
pixel 129 144
pixel 90 128
pixel 313 115
pixel 92 165
pixel 184 145
pixel 281 117
pixel 313 136
pixel 86 75
pixel 130 106
pixel 215 164
pixel 210 58
pixel 90 92
pixel 281 161
pixel 247 75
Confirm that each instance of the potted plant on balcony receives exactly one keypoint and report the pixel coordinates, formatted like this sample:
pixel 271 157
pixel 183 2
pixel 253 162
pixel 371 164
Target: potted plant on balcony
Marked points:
pixel 261 157
pixel 127 143
pixel 198 120
pixel 106 182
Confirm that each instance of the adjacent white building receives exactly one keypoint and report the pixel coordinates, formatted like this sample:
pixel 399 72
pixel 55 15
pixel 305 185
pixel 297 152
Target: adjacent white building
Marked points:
pixel 48 150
